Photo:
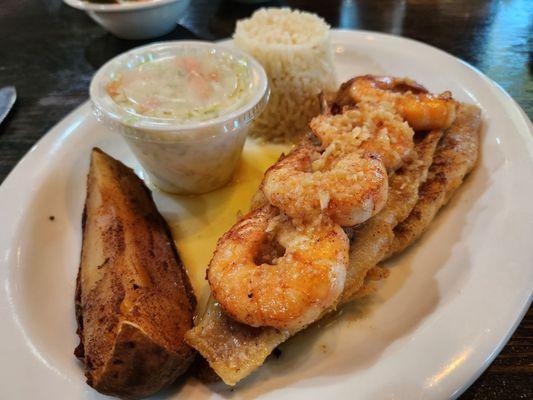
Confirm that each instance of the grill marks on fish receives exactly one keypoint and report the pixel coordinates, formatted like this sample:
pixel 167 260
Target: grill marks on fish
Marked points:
pixel 455 157
pixel 372 239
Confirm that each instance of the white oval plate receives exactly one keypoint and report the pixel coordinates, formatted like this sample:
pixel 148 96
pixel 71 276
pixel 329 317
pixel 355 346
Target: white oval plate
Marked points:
pixel 448 307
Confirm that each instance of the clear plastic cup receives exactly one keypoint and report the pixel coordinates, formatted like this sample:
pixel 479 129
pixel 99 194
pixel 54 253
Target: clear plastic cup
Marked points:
pixel 182 157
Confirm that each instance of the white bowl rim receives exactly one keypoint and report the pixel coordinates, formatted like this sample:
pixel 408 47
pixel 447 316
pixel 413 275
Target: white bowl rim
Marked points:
pixel 129 6
pixel 261 93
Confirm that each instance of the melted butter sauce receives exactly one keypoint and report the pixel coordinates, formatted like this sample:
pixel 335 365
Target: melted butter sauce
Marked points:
pixel 203 219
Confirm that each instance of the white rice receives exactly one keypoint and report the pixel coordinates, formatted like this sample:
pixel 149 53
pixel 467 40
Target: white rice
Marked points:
pixel 295 50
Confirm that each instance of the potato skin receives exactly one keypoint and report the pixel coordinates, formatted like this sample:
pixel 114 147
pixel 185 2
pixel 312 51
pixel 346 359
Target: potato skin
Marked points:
pixel 129 371
pixel 134 301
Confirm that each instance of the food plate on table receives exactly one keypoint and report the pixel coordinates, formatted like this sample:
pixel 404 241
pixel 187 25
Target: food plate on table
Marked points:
pixel 448 306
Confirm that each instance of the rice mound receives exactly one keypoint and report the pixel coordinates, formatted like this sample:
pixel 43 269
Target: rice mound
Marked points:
pixel 295 50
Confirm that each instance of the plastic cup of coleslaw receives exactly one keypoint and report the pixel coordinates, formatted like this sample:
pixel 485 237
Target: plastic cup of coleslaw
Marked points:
pixel 184 108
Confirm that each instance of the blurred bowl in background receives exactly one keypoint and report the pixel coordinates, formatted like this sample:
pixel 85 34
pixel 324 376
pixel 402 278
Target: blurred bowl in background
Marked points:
pixel 135 20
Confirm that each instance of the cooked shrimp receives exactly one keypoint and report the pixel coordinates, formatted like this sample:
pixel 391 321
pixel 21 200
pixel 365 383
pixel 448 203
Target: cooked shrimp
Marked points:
pixel 370 127
pixel 288 290
pixel 347 187
pixel 422 110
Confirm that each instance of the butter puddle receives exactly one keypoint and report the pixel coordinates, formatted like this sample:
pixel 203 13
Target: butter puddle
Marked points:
pixel 202 219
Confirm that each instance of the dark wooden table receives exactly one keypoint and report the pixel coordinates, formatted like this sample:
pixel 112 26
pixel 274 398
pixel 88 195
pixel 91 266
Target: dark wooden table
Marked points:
pixel 50 52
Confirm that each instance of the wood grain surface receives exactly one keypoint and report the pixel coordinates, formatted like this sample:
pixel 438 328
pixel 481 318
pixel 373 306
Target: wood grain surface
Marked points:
pixel 50 51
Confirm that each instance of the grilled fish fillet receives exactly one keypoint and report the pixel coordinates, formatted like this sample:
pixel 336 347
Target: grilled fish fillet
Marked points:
pixel 455 157
pixel 235 350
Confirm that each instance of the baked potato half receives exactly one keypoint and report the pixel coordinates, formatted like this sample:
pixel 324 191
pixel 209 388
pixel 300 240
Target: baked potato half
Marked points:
pixel 134 301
